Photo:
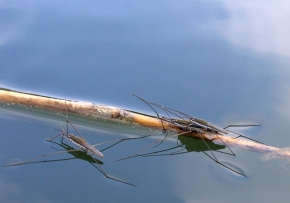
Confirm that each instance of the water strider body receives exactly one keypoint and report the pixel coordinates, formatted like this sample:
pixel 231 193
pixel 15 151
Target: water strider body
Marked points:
pixel 79 141
pixel 195 124
pixel 84 145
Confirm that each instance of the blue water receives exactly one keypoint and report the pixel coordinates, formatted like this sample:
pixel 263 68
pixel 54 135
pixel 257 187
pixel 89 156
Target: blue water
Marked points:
pixel 224 62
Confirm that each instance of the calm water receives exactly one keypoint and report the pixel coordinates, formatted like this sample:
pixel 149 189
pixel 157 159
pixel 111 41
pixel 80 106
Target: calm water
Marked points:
pixel 221 61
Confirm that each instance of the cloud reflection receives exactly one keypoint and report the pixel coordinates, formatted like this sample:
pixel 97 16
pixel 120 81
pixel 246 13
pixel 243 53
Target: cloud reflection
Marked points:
pixel 14 20
pixel 260 25
pixel 8 189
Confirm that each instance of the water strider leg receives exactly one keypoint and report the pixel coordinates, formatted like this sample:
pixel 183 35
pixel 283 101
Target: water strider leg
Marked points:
pixel 224 165
pixel 224 144
pixel 240 135
pixel 110 177
pixel 148 103
pixel 162 140
pixel 164 150
pixel 146 147
pixel 38 157
pixel 213 157
pixel 50 140
pixel 118 141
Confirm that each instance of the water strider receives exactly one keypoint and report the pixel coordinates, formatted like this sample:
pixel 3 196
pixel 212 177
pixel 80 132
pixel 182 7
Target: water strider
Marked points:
pixel 188 124
pixel 192 124
pixel 83 145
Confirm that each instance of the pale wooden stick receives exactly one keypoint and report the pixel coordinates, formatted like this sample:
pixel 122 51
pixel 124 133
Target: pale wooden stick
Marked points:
pixel 84 109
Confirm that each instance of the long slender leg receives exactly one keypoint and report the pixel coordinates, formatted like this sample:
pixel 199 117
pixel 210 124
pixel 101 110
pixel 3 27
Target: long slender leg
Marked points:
pixel 160 118
pixel 225 145
pixel 208 147
pixel 68 122
pixel 75 129
pixel 229 126
pixel 155 153
pixel 176 113
pixel 146 147
pixel 148 103
pixel 213 157
pixel 49 140
pixel 224 165
pixel 110 177
pixel 67 112
pixel 118 141
pixel 38 157
pixel 161 140
pixel 240 135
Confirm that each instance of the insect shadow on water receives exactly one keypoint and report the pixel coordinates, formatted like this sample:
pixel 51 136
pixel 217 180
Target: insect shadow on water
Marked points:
pixel 189 124
pixel 86 151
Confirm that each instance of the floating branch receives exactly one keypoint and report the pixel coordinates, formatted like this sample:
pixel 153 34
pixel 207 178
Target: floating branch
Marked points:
pixel 114 114
pixel 84 109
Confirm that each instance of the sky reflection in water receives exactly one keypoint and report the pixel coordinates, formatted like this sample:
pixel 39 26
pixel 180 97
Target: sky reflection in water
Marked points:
pixel 218 60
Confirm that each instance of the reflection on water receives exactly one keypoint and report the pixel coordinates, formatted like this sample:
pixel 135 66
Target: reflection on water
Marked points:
pixel 198 145
pixel 255 20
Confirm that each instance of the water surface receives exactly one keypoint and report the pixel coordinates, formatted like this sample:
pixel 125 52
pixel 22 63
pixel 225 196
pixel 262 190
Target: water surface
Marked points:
pixel 224 62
